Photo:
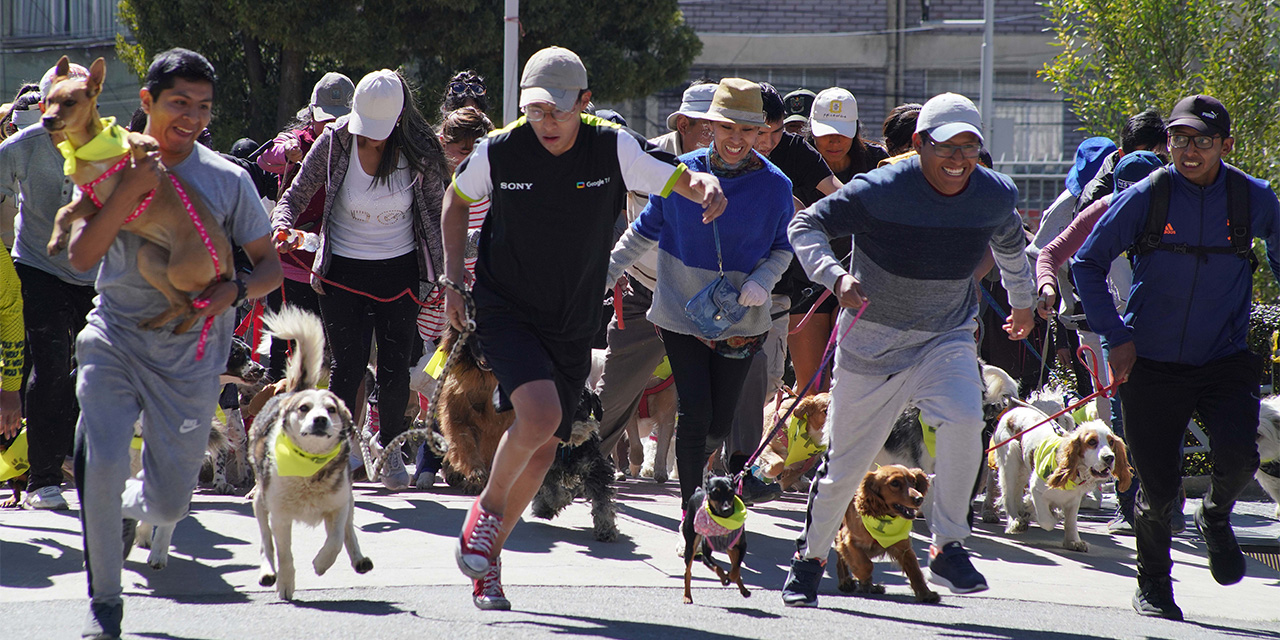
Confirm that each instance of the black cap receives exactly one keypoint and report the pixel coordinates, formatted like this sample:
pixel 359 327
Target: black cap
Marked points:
pixel 1202 113
pixel 797 105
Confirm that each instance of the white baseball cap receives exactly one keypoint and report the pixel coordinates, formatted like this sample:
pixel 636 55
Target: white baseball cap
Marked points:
pixel 835 111
pixel 554 75
pixel 948 115
pixel 378 102
pixel 46 82
pixel 694 103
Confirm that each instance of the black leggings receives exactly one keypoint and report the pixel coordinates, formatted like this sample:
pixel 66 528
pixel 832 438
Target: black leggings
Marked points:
pixel 351 321
pixel 708 385
pixel 295 294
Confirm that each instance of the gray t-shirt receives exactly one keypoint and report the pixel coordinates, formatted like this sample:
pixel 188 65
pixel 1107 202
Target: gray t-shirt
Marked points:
pixel 31 171
pixel 126 299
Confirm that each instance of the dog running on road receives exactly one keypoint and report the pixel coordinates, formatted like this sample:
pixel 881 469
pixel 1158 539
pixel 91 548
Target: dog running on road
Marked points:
pixel 715 520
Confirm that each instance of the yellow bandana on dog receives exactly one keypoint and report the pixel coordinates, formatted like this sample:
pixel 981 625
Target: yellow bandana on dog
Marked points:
pixel 663 370
pixel 735 519
pixel 13 461
pixel 292 461
pixel 930 437
pixel 887 531
pixel 800 446
pixel 435 366
pixel 1046 458
pixel 111 142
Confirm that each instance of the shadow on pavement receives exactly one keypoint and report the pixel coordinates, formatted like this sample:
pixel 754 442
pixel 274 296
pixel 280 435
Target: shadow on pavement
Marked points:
pixel 360 607
pixel 32 566
pixel 611 628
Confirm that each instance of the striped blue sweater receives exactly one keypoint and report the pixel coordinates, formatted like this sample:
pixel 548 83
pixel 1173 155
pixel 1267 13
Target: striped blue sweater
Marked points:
pixel 915 251
pixel 753 242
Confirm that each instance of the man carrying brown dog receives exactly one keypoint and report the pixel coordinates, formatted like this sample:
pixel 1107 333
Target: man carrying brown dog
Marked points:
pixel 125 372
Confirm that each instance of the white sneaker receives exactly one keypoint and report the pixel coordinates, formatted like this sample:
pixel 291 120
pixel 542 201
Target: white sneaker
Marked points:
pixel 47 498
pixel 394 476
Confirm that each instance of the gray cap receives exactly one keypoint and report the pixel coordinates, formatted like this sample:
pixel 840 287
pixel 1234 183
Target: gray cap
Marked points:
pixel 948 115
pixel 331 97
pixel 554 75
pixel 694 103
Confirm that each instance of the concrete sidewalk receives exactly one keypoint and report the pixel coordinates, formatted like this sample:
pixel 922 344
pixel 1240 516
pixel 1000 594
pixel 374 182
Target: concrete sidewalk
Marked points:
pixel 557 566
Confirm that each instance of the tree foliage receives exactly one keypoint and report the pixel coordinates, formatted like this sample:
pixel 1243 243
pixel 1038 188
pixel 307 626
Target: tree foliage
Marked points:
pixel 1119 57
pixel 268 53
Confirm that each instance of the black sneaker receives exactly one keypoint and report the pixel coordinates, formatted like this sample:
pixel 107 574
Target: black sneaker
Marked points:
pixel 755 491
pixel 103 621
pixel 1154 598
pixel 803 579
pixel 129 531
pixel 1120 524
pixel 951 568
pixel 1226 561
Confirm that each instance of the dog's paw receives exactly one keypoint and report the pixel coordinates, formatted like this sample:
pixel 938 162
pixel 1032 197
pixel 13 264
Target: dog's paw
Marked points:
pixel 158 563
pixel 1016 526
pixel 928 597
pixel 992 517
pixel 746 593
pixel 688 599
pixel 363 565
pixel 10 503
pixel 1075 545
pixel 660 476
pixel 266 579
pixel 284 587
pixel 225 489
pixel 142 142
pixel 868 587
pixel 848 586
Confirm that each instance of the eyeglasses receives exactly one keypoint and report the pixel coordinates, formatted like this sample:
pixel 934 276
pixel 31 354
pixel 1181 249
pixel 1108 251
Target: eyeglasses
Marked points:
pixel 473 88
pixel 536 114
pixel 949 150
pixel 1179 141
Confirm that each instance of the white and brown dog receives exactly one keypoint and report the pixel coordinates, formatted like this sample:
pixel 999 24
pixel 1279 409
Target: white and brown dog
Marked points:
pixel 299 447
pixel 1057 469
pixel 1268 474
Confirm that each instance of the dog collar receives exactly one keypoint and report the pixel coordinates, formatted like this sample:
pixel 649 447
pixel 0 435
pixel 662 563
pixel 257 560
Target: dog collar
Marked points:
pixel 800 446
pixel 735 520
pixel 887 531
pixel 13 461
pixel 111 142
pixel 292 461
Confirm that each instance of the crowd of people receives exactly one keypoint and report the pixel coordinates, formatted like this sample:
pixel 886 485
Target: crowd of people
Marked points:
pixel 761 230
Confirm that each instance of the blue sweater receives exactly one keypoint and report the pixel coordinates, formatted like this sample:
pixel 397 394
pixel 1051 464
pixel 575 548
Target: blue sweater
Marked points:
pixel 914 251
pixel 753 243
pixel 1182 308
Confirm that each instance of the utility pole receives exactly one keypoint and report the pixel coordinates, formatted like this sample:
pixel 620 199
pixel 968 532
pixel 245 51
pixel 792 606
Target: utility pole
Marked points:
pixel 511 62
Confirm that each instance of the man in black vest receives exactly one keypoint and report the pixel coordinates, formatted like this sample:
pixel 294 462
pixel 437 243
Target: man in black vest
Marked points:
pixel 557 179
pixel 1181 344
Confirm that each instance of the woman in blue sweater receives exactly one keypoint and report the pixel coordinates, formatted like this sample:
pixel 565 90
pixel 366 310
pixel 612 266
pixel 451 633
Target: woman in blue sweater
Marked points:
pixel 752 251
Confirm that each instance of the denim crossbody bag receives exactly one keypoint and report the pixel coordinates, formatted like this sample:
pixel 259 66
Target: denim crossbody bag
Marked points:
pixel 714 309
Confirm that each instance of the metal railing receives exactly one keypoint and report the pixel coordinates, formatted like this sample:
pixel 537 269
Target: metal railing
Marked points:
pixel 1039 183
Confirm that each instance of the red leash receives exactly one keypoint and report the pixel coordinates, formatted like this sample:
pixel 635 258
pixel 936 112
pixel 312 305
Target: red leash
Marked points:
pixel 408 292
pixel 1090 363
pixel 617 306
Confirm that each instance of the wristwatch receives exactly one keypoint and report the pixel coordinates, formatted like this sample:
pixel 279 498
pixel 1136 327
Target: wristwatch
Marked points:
pixel 242 291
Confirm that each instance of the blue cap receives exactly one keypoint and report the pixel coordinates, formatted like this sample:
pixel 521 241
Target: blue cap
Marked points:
pixel 611 116
pixel 1089 157
pixel 1135 166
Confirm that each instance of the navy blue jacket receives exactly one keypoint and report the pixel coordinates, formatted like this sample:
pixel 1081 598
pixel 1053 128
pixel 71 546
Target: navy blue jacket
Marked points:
pixel 1183 308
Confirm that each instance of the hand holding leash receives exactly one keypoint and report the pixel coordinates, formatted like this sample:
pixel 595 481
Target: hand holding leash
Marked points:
pixel 849 292
pixel 1047 301
pixel 1120 360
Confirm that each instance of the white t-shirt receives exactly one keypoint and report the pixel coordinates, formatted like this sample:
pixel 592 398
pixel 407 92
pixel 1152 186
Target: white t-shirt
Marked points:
pixel 372 222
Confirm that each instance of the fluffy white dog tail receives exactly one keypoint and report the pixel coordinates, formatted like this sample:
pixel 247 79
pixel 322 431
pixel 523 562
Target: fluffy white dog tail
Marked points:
pixel 306 363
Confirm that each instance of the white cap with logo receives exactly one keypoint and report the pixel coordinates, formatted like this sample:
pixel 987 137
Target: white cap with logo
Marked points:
pixel 378 102
pixel 948 115
pixel 835 111
pixel 555 75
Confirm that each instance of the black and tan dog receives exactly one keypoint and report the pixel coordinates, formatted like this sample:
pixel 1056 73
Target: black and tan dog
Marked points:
pixel 299 447
pixel 715 520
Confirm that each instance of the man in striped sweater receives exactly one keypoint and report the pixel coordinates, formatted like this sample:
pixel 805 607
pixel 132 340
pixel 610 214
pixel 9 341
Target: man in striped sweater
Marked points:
pixel 919 229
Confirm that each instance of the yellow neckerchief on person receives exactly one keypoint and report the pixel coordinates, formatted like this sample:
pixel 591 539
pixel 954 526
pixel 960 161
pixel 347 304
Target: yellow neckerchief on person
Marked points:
pixel 663 371
pixel 800 446
pixel 735 520
pixel 930 437
pixel 887 531
pixel 292 461
pixel 13 461
pixel 111 142
pixel 435 366
pixel 1046 458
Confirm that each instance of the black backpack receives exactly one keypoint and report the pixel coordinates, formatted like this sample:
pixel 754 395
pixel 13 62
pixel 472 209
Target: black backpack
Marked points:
pixel 1152 237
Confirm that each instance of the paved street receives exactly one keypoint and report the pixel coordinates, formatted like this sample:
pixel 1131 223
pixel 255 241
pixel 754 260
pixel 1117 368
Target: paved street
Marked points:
pixel 564 583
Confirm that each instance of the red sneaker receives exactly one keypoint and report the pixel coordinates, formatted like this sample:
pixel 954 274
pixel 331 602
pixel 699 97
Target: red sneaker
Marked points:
pixel 486 591
pixel 475 544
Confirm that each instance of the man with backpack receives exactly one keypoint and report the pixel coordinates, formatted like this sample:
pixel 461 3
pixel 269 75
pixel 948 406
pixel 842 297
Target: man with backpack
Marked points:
pixel 1181 345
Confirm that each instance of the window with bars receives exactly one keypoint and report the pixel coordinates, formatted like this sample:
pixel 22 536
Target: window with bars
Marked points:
pixel 59 18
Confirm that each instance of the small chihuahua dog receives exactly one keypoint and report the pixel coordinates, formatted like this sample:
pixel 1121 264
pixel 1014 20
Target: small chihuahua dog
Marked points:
pixel 715 520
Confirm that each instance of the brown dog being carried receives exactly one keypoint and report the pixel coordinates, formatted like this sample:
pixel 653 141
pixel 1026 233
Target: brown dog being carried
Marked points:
pixel 186 248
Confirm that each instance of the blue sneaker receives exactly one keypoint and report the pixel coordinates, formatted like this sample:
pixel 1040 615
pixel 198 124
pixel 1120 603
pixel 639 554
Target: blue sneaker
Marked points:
pixel 801 589
pixel 950 567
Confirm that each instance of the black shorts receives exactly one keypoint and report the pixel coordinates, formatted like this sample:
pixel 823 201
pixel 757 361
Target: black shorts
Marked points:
pixel 518 353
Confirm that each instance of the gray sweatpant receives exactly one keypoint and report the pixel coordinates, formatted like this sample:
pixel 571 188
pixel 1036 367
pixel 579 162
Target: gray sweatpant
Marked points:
pixel 947 387
pixel 114 389
pixel 629 362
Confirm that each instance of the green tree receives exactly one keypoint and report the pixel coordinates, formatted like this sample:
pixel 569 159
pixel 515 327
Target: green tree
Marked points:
pixel 1118 57
pixel 268 53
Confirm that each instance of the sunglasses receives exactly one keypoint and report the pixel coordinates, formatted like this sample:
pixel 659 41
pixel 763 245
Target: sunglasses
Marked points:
pixel 1179 141
pixel 473 88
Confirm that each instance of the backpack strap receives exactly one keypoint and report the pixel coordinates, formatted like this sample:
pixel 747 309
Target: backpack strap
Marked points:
pixel 1157 213
pixel 1238 218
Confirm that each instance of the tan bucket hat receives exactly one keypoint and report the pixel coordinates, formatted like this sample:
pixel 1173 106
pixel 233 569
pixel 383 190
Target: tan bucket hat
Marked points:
pixel 737 101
